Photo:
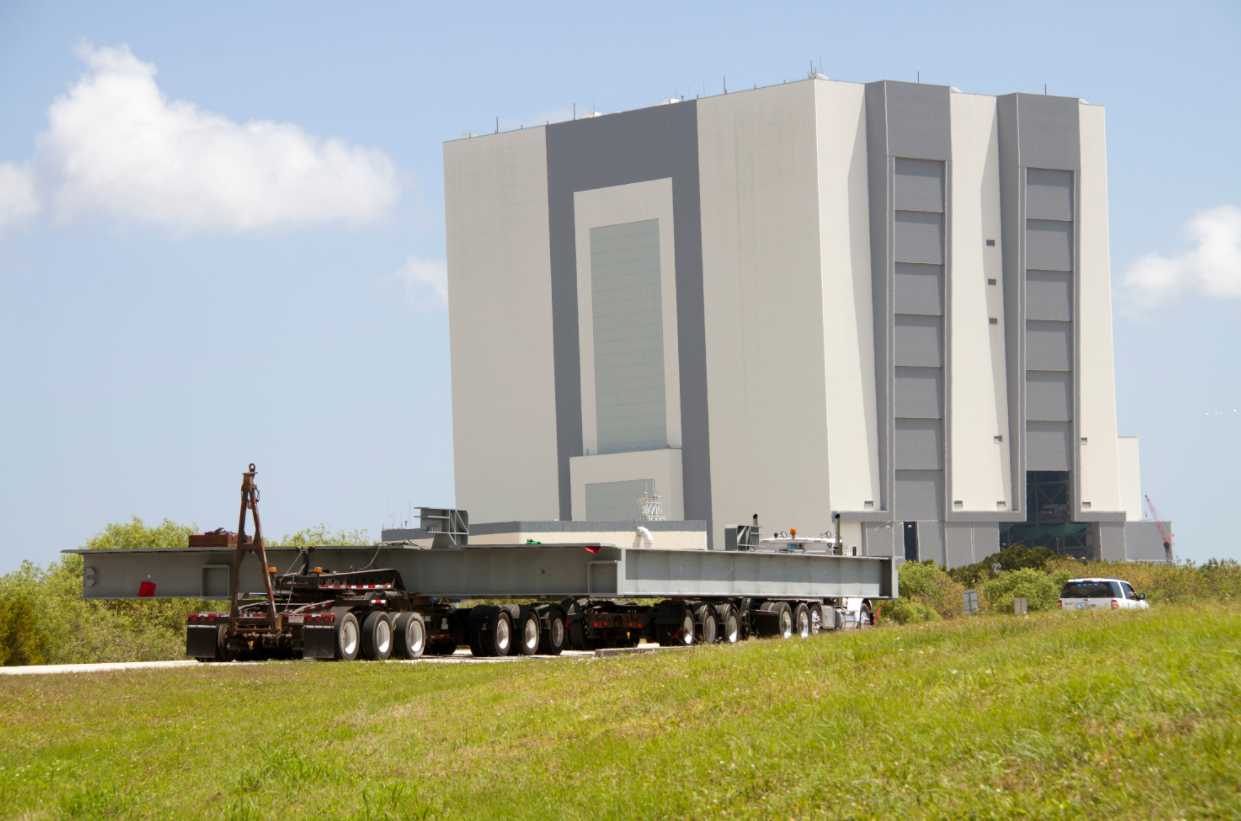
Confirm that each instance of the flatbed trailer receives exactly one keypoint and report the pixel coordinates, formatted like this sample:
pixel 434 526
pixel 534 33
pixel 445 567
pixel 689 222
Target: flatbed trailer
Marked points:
pixel 376 601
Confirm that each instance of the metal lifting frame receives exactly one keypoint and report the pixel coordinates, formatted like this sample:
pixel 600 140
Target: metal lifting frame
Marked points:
pixel 250 502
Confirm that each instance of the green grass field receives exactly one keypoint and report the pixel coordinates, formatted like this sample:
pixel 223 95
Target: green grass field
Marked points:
pixel 1062 714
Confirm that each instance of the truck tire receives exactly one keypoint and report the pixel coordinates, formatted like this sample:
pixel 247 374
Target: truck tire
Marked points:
pixel 348 637
pixel 774 618
pixel 377 636
pixel 527 636
pixel 680 633
pixel 816 617
pixel 708 624
pixel 553 634
pixel 490 631
pixel 730 623
pixel 801 621
pixel 410 633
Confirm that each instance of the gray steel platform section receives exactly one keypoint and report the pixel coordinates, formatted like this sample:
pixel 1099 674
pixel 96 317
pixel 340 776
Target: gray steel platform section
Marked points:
pixel 509 571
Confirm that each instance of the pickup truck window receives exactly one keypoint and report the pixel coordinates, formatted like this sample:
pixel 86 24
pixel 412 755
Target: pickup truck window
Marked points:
pixel 1129 594
pixel 1086 590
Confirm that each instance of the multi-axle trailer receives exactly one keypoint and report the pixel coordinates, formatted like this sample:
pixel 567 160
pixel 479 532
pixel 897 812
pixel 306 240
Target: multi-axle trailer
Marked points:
pixel 403 600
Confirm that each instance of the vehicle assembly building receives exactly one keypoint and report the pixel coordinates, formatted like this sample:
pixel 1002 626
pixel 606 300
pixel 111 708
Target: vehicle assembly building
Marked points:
pixel 887 301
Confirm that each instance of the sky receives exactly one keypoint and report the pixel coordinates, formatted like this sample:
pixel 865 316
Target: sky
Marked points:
pixel 222 231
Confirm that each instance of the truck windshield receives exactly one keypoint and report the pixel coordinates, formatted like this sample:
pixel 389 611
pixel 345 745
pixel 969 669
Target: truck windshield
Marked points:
pixel 1086 590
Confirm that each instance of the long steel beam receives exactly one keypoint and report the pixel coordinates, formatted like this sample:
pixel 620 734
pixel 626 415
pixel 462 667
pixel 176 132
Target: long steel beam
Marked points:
pixel 507 571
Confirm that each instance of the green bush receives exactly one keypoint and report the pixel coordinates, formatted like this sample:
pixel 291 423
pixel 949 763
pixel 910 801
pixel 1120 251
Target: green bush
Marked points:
pixel 906 611
pixel 1010 558
pixel 1041 590
pixel 927 584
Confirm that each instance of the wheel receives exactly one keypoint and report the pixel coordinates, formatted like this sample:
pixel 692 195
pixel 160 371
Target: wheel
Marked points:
pixel 816 617
pixel 575 623
pixel 801 621
pixel 553 634
pixel 490 631
pixel 775 618
pixel 411 636
pixel 681 632
pixel 730 623
pixel 708 624
pixel 527 633
pixel 376 636
pixel 348 637
pixel 784 620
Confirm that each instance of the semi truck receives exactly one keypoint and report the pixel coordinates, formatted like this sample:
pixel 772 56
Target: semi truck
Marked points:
pixel 408 600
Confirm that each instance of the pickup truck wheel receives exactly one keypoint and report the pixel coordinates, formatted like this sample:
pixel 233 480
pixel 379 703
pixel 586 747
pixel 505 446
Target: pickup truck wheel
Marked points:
pixel 801 621
pixel 377 636
pixel 411 636
pixel 552 636
pixel 526 633
pixel 348 637
pixel 730 623
pixel 709 625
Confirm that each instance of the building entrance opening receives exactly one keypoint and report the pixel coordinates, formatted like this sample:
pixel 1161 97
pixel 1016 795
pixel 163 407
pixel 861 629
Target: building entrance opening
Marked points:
pixel 911 541
pixel 1049 517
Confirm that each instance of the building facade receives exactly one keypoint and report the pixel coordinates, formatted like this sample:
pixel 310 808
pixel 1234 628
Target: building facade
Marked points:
pixel 887 301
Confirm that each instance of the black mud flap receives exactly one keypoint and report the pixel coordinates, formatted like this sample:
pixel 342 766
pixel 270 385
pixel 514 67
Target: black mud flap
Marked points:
pixel 202 641
pixel 319 641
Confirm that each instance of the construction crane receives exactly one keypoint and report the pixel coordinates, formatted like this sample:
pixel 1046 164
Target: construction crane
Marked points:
pixel 1164 533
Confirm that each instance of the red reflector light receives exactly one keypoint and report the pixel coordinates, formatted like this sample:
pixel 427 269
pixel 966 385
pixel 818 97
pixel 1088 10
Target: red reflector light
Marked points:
pixel 593 549
pixel 146 589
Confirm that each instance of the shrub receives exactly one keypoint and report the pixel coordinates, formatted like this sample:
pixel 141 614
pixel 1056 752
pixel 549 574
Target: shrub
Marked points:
pixel 1041 590
pixel 1010 558
pixel 906 611
pixel 927 584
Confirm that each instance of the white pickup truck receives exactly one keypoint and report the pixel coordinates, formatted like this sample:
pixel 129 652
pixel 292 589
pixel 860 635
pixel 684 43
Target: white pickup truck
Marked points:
pixel 1101 594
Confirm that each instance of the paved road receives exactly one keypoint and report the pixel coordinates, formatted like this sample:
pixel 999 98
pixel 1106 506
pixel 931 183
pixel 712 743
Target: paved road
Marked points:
pixel 460 657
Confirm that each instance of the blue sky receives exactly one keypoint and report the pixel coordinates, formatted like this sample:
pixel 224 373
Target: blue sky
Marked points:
pixel 164 322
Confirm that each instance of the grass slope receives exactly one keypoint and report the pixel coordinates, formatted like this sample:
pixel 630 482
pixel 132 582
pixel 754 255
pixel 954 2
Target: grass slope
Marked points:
pixel 1062 714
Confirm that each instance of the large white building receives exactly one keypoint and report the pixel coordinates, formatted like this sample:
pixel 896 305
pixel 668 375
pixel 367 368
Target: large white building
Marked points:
pixel 889 301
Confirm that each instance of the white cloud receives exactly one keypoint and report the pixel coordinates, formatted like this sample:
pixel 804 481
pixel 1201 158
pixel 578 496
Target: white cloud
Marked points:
pixel 1211 267
pixel 18 200
pixel 425 282
pixel 116 145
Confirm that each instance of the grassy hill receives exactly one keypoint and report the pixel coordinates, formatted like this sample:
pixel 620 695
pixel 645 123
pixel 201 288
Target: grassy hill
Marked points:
pixel 1060 714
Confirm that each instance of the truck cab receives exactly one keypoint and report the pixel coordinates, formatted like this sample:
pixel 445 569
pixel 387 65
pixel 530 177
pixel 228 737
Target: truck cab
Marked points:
pixel 1100 594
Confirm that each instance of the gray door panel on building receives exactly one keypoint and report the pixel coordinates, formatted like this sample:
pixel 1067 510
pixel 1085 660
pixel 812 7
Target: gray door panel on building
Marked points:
pixel 1049 345
pixel 919 237
pixel 919 341
pixel 1049 445
pixel 1049 396
pixel 626 304
pixel 919 393
pixel 1049 245
pixel 1049 194
pixel 1049 295
pixel 919 185
pixel 919 289
pixel 919 444
pixel 919 495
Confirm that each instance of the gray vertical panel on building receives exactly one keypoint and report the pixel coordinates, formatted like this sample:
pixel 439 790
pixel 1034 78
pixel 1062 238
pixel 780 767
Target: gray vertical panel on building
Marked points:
pixel 626 304
pixel 1111 541
pixel 1049 131
pixel 635 146
pixel 1049 194
pixel 1144 543
pixel 931 546
pixel 919 393
pixel 877 539
pixel 918 120
pixel 919 237
pixel 919 185
pixel 919 341
pixel 1049 445
pixel 919 495
pixel 616 501
pixel 1049 295
pixel 1049 396
pixel 919 444
pixel 880 261
pixel 1049 245
pixel 958 544
pixel 1049 345
pixel 919 289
